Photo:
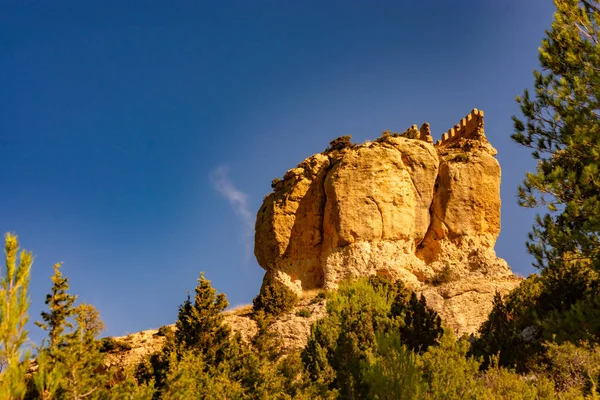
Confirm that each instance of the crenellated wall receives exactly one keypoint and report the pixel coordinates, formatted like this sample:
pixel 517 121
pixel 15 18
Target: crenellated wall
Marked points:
pixel 470 127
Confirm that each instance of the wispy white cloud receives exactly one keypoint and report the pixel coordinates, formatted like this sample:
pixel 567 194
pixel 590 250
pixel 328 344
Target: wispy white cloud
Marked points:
pixel 238 200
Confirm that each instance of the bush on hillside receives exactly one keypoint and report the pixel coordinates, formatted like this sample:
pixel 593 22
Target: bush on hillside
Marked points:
pixel 110 345
pixel 273 300
pixel 305 313
pixel 340 143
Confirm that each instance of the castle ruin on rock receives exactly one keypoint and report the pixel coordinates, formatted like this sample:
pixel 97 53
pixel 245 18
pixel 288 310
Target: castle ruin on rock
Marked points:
pixel 401 206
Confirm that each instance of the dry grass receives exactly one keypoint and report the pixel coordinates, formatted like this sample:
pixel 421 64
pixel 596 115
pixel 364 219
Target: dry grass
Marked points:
pixel 241 309
pixel 309 294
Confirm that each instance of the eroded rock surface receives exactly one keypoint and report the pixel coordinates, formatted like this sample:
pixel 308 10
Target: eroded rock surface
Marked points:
pixel 426 213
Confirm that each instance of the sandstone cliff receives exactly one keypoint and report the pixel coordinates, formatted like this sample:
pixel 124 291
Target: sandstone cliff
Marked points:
pixel 402 206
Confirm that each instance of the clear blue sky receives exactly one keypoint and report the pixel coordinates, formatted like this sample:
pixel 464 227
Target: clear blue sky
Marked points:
pixel 124 126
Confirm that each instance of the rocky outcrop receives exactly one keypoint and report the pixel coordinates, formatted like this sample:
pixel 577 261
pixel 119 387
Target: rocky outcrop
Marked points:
pixel 401 206
pixel 291 330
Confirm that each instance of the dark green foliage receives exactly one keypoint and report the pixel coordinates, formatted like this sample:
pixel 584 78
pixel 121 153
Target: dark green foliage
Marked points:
pixel 445 275
pixel 202 359
pixel 386 287
pixel 345 341
pixel 561 288
pixel 264 342
pixel 394 374
pixel 339 343
pixel 449 373
pixel 112 345
pixel 322 295
pixel 60 303
pixel 354 346
pixel 581 322
pixel 512 334
pixel 189 377
pixel 164 331
pixel 304 312
pixel 274 182
pixel 499 337
pixel 558 304
pixel 273 300
pixel 199 329
pixel 379 341
pixel 340 143
pixel 561 124
pixel 200 323
pixel 419 326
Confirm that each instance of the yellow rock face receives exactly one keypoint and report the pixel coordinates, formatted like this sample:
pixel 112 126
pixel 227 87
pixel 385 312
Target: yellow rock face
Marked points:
pixel 401 206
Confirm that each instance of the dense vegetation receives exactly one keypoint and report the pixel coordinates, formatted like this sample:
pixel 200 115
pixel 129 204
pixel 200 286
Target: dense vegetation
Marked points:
pixel 379 340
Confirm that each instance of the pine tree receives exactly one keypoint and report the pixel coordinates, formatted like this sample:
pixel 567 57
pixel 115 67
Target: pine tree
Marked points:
pixel 14 303
pixel 200 329
pixel 80 357
pixel 60 303
pixel 498 336
pixel 200 323
pixel 341 342
pixel 69 362
pixel 418 325
pixel 562 127
pixel 72 368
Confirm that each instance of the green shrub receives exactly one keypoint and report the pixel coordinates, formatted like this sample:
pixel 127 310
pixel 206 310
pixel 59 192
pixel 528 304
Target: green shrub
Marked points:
pixel 164 330
pixel 445 275
pixel 449 373
pixel 394 373
pixel 305 312
pixel 385 286
pixel 418 325
pixel 581 322
pixel 499 337
pixel 574 367
pixel 322 295
pixel 504 384
pixel 273 300
pixel 461 157
pixel 340 143
pixel 188 378
pixel 111 345
pixel 340 342
pixel 558 305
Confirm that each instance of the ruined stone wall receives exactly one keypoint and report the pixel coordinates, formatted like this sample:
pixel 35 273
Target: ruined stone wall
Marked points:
pixel 470 127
